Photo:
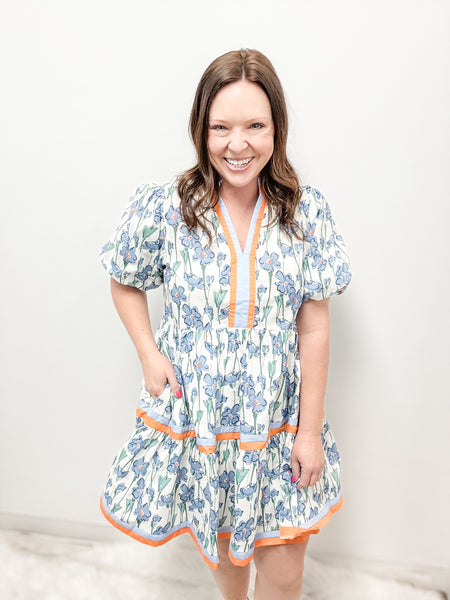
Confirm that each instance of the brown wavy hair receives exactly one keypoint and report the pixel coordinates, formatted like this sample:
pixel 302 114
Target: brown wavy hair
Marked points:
pixel 198 188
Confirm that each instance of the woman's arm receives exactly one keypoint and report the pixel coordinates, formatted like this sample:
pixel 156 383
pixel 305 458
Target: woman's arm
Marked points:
pixel 313 335
pixel 131 305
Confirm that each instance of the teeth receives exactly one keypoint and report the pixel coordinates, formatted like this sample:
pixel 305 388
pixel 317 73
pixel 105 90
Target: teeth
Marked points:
pixel 238 163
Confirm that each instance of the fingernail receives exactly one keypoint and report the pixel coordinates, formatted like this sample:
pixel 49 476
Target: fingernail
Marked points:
pixel 178 393
pixel 293 479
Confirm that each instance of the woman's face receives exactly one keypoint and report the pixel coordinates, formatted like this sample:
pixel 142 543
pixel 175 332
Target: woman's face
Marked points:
pixel 240 133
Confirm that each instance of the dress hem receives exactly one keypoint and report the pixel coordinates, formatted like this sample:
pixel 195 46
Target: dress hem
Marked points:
pixel 287 535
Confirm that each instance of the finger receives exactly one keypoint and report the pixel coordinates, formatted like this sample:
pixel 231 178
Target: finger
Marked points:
pixel 295 470
pixel 305 479
pixel 174 385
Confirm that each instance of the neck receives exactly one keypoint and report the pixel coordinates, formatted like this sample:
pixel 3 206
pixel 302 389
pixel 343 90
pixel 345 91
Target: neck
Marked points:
pixel 244 196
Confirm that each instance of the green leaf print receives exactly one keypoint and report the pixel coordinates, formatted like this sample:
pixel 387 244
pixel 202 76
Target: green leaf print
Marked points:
pixel 122 454
pixel 176 265
pixel 222 520
pixel 271 368
pixel 218 297
pixel 150 444
pixel 240 475
pixel 130 503
pixel 279 300
pixel 198 418
pixel 225 455
pixel 115 508
pixel 266 312
pixel 162 482
pixel 335 475
pixel 148 231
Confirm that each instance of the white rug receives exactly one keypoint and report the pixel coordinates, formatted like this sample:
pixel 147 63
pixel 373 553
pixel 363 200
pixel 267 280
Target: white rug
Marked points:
pixel 39 567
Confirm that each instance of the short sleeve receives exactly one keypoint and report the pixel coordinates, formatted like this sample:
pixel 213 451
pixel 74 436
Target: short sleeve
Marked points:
pixel 134 254
pixel 326 263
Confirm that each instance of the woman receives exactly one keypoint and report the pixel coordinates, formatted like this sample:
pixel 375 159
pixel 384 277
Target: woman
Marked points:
pixel 228 446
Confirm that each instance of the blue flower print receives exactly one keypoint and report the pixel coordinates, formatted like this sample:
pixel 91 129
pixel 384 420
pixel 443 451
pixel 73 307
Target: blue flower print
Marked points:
pixel 333 454
pixel 207 494
pixel 162 530
pixel 277 343
pixel 343 275
pixel 165 500
pixel 213 519
pixel 319 262
pixel 247 386
pixel 231 377
pixel 281 510
pixel 178 295
pixel 119 472
pixel 203 254
pixel 186 341
pixel 230 416
pixel 200 364
pixel 173 217
pixel 142 512
pixel 196 468
pixel 285 249
pixel 251 456
pixel 269 261
pixel 285 283
pixel 187 493
pixel 253 349
pixel 247 491
pixel 140 467
pixel 174 464
pixel 256 402
pixel 189 238
pixel 193 280
pixel 233 341
pixel 244 529
pixel 138 491
pixel 225 277
pixel 192 317
pixel 136 444
pixel 182 474
pixel 226 478
pixel 211 386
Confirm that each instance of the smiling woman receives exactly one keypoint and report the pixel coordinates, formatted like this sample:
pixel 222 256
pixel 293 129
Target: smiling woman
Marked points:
pixel 231 441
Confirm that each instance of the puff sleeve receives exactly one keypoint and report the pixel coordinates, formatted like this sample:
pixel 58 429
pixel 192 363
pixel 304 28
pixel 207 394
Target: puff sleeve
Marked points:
pixel 326 263
pixel 134 254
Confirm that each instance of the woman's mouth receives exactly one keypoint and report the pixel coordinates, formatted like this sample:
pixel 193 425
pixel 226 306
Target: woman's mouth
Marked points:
pixel 238 165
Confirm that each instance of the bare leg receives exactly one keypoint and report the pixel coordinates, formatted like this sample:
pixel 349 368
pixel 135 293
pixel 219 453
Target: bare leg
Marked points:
pixel 279 571
pixel 231 580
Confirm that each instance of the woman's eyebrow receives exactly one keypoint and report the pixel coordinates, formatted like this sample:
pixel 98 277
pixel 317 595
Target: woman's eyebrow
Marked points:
pixel 247 121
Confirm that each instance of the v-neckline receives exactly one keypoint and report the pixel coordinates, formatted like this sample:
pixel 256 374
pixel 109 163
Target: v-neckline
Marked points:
pixel 251 229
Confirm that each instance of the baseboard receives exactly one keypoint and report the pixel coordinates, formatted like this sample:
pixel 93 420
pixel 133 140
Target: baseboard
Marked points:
pixel 60 527
pixel 425 577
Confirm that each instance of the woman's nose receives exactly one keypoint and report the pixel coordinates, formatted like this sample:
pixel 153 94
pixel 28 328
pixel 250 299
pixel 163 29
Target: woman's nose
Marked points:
pixel 238 142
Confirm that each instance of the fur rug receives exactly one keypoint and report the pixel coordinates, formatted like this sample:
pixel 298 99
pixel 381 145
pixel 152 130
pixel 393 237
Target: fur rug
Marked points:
pixel 40 567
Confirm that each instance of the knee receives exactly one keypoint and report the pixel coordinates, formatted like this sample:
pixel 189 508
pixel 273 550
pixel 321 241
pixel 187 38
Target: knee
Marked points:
pixel 281 569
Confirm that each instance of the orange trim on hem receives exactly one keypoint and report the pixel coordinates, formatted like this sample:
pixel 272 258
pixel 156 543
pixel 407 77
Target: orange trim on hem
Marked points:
pixel 229 435
pixel 252 258
pixel 290 533
pixel 239 562
pixel 144 540
pixel 233 273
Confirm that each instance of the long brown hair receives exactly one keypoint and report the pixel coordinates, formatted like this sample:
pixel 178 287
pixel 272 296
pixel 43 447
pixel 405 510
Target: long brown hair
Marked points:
pixel 198 187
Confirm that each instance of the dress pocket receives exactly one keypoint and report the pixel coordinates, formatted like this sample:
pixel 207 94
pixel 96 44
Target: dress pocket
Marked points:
pixel 161 406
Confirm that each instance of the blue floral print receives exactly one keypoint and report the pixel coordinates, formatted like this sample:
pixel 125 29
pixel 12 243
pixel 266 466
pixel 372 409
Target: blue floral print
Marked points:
pixel 216 462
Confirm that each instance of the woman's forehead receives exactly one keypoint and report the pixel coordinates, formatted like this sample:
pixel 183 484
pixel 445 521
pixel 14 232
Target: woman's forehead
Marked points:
pixel 243 99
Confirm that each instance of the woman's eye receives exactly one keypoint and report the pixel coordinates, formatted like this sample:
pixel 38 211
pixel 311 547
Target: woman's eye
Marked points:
pixel 218 127
pixel 257 125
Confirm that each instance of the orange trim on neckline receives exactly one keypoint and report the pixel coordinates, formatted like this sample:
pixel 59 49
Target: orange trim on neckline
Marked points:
pixel 252 265
pixel 233 272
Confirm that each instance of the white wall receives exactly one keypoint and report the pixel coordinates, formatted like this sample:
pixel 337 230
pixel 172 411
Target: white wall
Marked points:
pixel 96 98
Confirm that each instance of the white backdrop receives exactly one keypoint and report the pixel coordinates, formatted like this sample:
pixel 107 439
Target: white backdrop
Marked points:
pixel 95 100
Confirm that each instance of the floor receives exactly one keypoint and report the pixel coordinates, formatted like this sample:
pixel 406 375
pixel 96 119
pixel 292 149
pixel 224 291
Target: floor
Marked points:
pixel 40 567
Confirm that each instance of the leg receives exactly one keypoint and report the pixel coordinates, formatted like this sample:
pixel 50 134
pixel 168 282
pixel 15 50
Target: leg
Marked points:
pixel 279 571
pixel 231 580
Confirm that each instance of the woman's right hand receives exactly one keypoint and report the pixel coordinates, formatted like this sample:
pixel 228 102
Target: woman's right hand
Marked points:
pixel 158 370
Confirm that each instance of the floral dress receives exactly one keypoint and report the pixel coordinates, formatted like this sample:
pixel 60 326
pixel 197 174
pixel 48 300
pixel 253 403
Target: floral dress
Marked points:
pixel 216 462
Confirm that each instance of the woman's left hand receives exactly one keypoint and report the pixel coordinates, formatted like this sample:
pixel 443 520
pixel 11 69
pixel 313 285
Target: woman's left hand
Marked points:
pixel 307 458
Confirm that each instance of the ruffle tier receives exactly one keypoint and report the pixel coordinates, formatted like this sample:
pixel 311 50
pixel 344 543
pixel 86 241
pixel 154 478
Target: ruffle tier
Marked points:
pixel 159 487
